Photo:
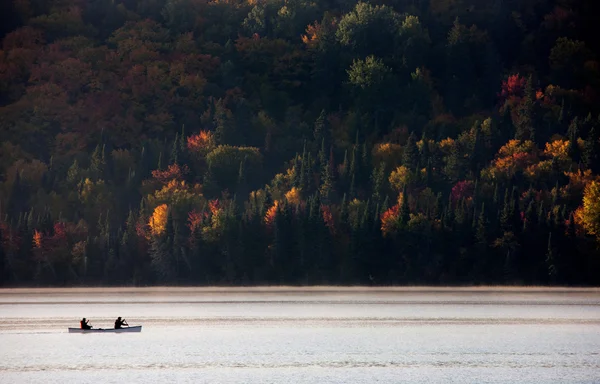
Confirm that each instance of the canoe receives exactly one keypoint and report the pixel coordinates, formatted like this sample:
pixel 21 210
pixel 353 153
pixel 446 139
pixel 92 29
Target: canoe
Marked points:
pixel 137 328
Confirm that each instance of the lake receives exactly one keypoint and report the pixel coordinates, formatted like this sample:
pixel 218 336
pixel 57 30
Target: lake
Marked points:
pixel 303 335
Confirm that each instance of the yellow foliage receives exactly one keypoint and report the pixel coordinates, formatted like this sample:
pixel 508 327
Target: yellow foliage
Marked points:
pixel 512 157
pixel 400 199
pixel 158 220
pixel 581 178
pixel 446 145
pixel 557 149
pixel 387 152
pixel 591 209
pixel 177 192
pixel 400 177
pixel 293 196
pixel 541 169
pixel 516 146
pixel 290 174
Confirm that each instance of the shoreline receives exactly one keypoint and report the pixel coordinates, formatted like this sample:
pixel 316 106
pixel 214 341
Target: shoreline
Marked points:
pixel 300 289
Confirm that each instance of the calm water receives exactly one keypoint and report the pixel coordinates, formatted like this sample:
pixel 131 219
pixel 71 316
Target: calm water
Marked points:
pixel 307 336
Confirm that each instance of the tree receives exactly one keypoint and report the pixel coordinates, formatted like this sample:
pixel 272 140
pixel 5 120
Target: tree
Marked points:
pixel 551 259
pixel 370 79
pixel 411 153
pixel 590 212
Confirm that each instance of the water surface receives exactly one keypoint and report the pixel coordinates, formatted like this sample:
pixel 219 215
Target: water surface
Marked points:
pixel 318 335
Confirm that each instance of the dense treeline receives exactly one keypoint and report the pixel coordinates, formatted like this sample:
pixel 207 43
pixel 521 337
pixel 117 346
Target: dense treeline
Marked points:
pixel 298 142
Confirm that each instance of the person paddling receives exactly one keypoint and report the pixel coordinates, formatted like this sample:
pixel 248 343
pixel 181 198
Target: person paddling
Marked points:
pixel 120 323
pixel 85 324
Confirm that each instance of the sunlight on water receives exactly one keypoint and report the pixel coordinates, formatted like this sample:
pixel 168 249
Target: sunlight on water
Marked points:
pixel 324 335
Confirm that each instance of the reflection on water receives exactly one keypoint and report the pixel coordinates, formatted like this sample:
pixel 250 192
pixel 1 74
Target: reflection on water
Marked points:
pixel 285 335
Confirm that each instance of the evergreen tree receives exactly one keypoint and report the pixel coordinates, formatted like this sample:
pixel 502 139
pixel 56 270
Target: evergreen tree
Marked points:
pixel 551 259
pixel 175 150
pixel 411 153
pixel 97 162
pixel 377 180
pixel 480 234
pixel 524 124
pixel 404 214
pixel 591 152
pixel 319 129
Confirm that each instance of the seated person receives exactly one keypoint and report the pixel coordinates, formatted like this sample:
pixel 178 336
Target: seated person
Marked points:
pixel 84 324
pixel 120 323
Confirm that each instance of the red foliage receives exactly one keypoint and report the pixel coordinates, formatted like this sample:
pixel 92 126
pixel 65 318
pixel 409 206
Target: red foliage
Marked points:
pixel 514 86
pixel 195 219
pixel 26 38
pixel 141 229
pixel 328 218
pixel 214 206
pixel 60 232
pixel 9 239
pixel 462 189
pixel 200 141
pixel 389 220
pixel 173 172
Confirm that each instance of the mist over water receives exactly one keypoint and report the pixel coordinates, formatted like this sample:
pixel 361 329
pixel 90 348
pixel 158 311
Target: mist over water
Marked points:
pixel 296 335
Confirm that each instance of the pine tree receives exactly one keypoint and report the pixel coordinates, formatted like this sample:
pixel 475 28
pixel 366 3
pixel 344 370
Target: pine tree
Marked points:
pixel 175 151
pixel 551 259
pixel 591 152
pixel 573 148
pixel 97 162
pixel 353 166
pixel 524 123
pixel 377 180
pixel 404 214
pixel 224 125
pixel 159 166
pixel 411 153
pixel 319 129
pixel 303 170
pixel 326 183
pixel 480 233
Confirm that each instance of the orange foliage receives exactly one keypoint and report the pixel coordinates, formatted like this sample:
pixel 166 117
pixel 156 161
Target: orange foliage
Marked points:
pixel 328 218
pixel 512 157
pixel 37 239
pixel 293 196
pixel 557 149
pixel 158 220
pixel 214 206
pixel 580 179
pixel 516 146
pixel 173 172
pixel 201 142
pixel 389 220
pixel 312 34
pixel 271 213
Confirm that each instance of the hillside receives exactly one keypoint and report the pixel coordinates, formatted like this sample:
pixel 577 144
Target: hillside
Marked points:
pixel 294 142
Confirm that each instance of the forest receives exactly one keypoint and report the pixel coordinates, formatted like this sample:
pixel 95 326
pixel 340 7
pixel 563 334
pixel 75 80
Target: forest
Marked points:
pixel 257 142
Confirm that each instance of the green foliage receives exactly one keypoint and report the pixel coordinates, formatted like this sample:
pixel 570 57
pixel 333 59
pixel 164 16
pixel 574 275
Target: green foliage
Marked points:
pixel 224 162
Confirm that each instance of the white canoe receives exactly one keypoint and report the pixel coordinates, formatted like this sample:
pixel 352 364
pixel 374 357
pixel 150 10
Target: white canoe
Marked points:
pixel 137 328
